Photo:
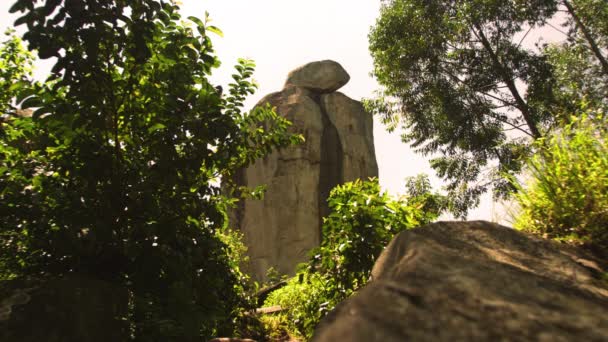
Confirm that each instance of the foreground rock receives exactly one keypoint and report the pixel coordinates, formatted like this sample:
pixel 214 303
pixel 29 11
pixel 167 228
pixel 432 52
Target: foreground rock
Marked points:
pixel 475 281
pixel 281 229
pixel 68 309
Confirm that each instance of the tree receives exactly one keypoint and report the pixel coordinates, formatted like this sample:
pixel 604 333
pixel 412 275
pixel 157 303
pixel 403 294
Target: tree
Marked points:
pixel 580 69
pixel 579 82
pixel 467 90
pixel 589 23
pixel 119 179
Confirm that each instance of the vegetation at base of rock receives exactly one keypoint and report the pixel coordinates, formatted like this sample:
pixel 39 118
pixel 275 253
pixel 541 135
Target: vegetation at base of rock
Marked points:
pixel 566 197
pixel 458 78
pixel 115 175
pixel 362 221
pixel 305 300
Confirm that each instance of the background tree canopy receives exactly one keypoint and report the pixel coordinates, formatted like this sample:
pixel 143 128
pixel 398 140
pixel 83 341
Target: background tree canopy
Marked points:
pixel 471 93
pixel 116 175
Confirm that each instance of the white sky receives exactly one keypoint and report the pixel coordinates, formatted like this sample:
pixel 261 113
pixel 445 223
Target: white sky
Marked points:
pixel 280 35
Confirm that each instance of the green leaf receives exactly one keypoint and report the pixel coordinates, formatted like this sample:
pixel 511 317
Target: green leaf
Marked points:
pixel 20 5
pixel 156 127
pixel 197 21
pixel 215 30
pixel 21 20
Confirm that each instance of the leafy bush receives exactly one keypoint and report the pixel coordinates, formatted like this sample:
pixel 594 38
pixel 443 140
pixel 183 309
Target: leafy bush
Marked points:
pixel 306 298
pixel 115 176
pixel 362 221
pixel 567 196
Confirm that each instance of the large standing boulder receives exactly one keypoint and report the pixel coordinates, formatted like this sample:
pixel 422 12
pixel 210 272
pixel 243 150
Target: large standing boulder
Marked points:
pixel 475 281
pixel 282 228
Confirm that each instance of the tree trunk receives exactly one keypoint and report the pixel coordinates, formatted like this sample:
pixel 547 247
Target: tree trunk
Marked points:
pixel 588 36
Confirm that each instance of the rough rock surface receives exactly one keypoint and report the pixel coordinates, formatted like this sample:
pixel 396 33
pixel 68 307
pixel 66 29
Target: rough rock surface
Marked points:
pixel 355 133
pixel 282 228
pixel 321 76
pixel 475 281
pixel 68 309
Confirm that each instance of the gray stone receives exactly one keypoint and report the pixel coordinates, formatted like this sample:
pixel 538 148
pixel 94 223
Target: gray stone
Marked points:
pixel 356 133
pixel 281 229
pixel 321 76
pixel 475 281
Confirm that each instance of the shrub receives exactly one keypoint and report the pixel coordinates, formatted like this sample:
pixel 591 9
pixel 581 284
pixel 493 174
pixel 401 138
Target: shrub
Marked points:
pixel 567 196
pixel 115 175
pixel 306 299
pixel 362 221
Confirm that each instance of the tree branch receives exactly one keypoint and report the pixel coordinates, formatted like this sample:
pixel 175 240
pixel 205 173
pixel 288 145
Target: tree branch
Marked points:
pixel 507 79
pixel 505 104
pixel 588 36
pixel 503 101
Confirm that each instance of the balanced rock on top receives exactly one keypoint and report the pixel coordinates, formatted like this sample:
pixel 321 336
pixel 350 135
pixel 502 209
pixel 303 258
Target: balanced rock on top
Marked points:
pixel 321 77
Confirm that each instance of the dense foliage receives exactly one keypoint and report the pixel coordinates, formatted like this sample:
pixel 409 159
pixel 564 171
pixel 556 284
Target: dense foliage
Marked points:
pixel 579 67
pixel 15 68
pixel 580 84
pixel 305 300
pixel 362 221
pixel 566 197
pixel 115 176
pixel 468 91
